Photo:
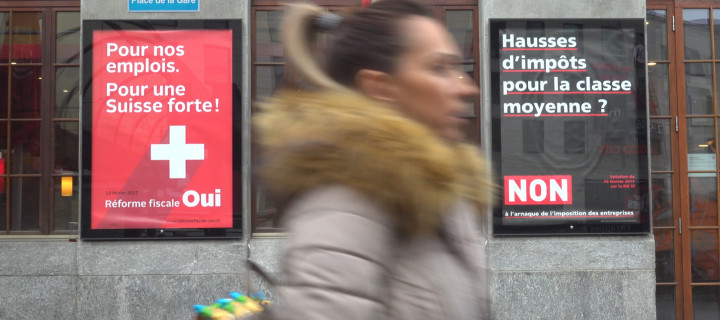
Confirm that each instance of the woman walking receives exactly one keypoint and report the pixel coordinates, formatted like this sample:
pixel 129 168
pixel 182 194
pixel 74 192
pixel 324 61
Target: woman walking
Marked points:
pixel 380 195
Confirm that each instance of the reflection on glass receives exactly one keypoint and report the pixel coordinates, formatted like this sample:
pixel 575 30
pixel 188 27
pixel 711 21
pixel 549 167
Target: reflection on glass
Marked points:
pixel 24 204
pixel 717 69
pixel 460 24
pixel 27 37
pixel 664 256
pixel 665 302
pixel 66 208
pixel 698 87
pixel 615 41
pixel 67 37
pixel 661 155
pixel 701 147
pixel 535 28
pixel 662 200
pixel 575 139
pixel 533 134
pixel 704 251
pixel 66 137
pixel 25 91
pixel 657 35
pixel 571 30
pixel 702 157
pixel 3 176
pixel 470 72
pixel 3 147
pixel 4 92
pixel 696 26
pixel 659 87
pixel 25 147
pixel 268 78
pixel 706 302
pixel 716 27
pixel 67 92
pixel 703 200
pixel 266 215
pixel 267 36
pixel 4 38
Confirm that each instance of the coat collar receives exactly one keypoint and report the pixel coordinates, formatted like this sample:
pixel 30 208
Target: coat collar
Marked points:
pixel 310 139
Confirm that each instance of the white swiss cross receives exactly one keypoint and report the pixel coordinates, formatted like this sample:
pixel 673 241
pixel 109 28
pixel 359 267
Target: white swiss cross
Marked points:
pixel 177 152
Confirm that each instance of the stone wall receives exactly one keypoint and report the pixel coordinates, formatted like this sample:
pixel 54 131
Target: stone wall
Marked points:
pixel 588 277
pixel 531 277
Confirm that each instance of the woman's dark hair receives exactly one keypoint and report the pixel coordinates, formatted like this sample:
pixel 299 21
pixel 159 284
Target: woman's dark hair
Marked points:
pixel 370 39
pixel 367 39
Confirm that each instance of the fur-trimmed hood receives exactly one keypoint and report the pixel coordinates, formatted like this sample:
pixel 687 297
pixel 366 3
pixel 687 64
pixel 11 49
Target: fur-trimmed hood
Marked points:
pixel 310 139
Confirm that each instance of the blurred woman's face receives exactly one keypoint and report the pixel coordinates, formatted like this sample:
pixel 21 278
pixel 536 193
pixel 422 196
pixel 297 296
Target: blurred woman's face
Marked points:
pixel 431 86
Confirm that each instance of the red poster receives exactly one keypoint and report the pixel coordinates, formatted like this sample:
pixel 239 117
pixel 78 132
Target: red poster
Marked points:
pixel 162 129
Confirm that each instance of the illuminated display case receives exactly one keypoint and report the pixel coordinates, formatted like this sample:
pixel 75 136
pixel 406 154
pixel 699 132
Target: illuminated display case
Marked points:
pixel 160 117
pixel 569 126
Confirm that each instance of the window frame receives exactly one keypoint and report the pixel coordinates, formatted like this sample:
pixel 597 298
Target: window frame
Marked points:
pixel 48 10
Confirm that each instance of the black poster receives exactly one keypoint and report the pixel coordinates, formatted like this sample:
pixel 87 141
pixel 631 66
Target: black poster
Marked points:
pixel 570 126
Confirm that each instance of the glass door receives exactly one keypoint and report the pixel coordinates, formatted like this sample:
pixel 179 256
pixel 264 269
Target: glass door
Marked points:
pixel 697 40
pixel 664 129
pixel 683 73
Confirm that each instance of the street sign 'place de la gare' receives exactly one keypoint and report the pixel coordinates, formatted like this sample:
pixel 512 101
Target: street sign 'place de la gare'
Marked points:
pixel 163 5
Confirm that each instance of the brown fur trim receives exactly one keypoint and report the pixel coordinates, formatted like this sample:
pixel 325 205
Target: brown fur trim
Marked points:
pixel 313 139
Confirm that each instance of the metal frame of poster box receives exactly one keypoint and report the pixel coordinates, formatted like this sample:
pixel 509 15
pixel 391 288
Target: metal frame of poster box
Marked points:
pixel 86 233
pixel 571 226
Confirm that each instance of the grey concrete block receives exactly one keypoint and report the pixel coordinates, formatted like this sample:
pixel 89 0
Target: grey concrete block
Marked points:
pixel 572 253
pixel 574 295
pixel 118 9
pixel 123 257
pixel 38 297
pixel 257 283
pixel 151 297
pixel 267 252
pixel 220 257
pixel 160 257
pixel 38 258
pixel 548 9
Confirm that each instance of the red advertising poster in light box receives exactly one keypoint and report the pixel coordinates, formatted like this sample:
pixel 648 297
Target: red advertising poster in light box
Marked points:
pixel 162 129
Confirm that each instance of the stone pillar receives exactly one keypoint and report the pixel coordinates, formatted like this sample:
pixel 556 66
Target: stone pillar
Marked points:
pixel 163 279
pixel 573 277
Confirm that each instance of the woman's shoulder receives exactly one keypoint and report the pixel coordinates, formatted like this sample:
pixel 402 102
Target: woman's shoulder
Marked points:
pixel 336 200
pixel 335 218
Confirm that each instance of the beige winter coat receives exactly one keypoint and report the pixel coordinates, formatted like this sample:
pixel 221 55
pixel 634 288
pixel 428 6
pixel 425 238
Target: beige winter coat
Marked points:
pixel 381 213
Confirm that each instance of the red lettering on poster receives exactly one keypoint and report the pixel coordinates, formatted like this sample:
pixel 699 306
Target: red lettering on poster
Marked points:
pixel 162 129
pixel 537 190
pixel 619 181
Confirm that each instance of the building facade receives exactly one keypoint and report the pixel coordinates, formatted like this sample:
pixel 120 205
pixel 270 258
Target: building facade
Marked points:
pixel 50 273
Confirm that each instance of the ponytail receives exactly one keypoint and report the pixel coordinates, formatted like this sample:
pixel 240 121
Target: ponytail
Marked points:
pixel 366 39
pixel 300 24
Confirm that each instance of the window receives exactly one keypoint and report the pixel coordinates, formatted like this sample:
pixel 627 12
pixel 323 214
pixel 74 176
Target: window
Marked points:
pixel 269 70
pixel 39 118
